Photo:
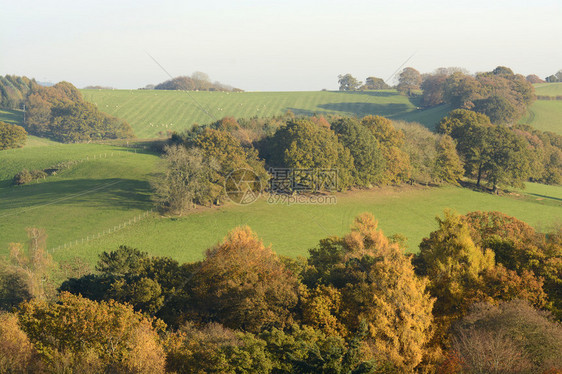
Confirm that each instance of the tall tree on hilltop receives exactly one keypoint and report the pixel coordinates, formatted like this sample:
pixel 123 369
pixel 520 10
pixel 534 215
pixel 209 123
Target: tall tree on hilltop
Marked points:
pixel 410 79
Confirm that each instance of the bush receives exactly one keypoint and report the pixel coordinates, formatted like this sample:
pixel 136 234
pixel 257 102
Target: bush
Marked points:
pixel 23 177
pixel 11 136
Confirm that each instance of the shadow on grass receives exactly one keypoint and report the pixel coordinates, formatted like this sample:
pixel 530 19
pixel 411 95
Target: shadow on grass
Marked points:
pixel 545 196
pixel 104 193
pixel 382 93
pixel 360 109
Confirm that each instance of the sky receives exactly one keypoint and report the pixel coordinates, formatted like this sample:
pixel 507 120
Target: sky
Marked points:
pixel 266 45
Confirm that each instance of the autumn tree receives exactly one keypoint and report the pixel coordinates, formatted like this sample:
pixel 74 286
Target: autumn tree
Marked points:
pixel 374 83
pixel 522 250
pixel 511 337
pixel 408 80
pixel 420 144
pixel 454 265
pixel 448 166
pixel 461 90
pixel 378 285
pixel 364 148
pixel 12 136
pixel 471 131
pixel 79 334
pixel 348 83
pixel 534 79
pixel 186 180
pixel 61 113
pixel 213 348
pixel 17 353
pixel 243 285
pixel 301 144
pixel 32 267
pixel 390 140
pixel 433 90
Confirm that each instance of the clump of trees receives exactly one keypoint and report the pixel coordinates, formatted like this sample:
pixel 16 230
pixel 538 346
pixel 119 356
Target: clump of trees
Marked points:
pixel 500 94
pixel 504 156
pixel 409 80
pixel 365 152
pixel 61 113
pixel 198 81
pixel 348 82
pixel 554 78
pixel 12 136
pixel 14 91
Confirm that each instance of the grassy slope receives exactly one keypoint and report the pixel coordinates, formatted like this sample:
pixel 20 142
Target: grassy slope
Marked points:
pixel 291 230
pixel 152 113
pixel 11 116
pixel 546 115
pixel 90 197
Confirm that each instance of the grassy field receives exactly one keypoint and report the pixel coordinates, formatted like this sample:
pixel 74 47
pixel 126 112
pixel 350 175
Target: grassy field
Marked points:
pixel 101 193
pixel 109 186
pixel 548 89
pixel 546 115
pixel 152 113
pixel 11 116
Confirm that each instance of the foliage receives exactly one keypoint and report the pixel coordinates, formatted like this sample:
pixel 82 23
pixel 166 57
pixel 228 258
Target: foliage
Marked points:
pixel 408 80
pixel 510 337
pixel 500 94
pixel 14 90
pixel 364 148
pixel 60 113
pixel 522 250
pixel 348 83
pixel 301 144
pixel 448 166
pixel 391 140
pixel 242 284
pixel 17 354
pixel 215 349
pixel 111 335
pixel 12 136
pixel 374 83
pixel 378 285
pixel 495 153
pixel 187 180
pixel 197 82
pixel 454 265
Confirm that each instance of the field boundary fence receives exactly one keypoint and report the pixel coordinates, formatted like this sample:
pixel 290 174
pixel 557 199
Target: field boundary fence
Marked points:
pixel 103 233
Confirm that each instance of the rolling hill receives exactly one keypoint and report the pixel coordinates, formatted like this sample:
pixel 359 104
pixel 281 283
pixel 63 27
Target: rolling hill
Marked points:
pixel 546 115
pixel 152 113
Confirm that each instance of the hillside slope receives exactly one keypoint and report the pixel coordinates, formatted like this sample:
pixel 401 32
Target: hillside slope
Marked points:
pixel 153 113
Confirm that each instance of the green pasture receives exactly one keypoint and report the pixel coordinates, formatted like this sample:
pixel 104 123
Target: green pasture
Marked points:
pixel 153 113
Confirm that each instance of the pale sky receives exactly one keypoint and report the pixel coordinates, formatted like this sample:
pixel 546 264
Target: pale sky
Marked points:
pixel 261 45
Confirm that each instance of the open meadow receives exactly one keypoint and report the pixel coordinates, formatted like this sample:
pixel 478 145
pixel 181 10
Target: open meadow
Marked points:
pixel 109 187
pixel 152 113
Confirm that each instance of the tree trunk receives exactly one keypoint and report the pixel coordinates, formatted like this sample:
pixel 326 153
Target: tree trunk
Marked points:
pixel 479 175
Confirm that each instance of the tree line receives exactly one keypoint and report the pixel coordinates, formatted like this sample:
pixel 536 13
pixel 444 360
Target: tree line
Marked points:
pixel 500 94
pixel 58 112
pixel 367 152
pixel 482 295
